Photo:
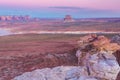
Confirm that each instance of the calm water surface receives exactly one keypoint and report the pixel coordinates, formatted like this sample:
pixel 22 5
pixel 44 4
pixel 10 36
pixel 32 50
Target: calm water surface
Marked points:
pixel 4 32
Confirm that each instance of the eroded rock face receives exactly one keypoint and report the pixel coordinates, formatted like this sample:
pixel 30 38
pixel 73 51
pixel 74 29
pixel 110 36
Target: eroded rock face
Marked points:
pixel 116 39
pixel 96 53
pixel 94 43
pixel 101 65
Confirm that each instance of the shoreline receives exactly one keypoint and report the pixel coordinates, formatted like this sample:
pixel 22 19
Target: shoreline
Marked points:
pixel 66 32
pixel 54 32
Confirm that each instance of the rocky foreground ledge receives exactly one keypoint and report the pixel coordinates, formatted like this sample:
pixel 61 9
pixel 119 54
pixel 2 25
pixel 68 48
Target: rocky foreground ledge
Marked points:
pixel 95 62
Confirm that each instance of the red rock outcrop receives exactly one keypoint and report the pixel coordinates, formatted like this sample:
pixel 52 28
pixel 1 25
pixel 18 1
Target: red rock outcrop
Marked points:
pixel 68 18
pixel 100 43
pixel 2 18
pixel 96 52
pixel 14 18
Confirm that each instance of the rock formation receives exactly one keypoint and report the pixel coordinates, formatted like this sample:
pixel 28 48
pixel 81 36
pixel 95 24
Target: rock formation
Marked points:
pixel 2 18
pixel 68 18
pixel 96 53
pixel 14 18
pixel 97 43
pixel 101 71
pixel 95 58
pixel 57 73
pixel 116 39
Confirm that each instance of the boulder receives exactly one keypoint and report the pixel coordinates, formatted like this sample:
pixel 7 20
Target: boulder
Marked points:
pixel 103 66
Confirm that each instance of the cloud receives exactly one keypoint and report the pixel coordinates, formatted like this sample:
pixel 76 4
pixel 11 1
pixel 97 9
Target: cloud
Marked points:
pixel 76 9
pixel 64 7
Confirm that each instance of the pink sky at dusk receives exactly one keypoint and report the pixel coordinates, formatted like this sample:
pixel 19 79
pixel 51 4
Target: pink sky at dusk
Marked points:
pixel 113 5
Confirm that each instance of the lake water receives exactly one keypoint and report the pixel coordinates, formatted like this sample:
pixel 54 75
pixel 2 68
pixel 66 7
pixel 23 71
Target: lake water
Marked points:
pixel 4 32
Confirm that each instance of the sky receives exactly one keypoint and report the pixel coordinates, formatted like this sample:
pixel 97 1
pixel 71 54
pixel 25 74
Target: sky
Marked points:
pixel 60 8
